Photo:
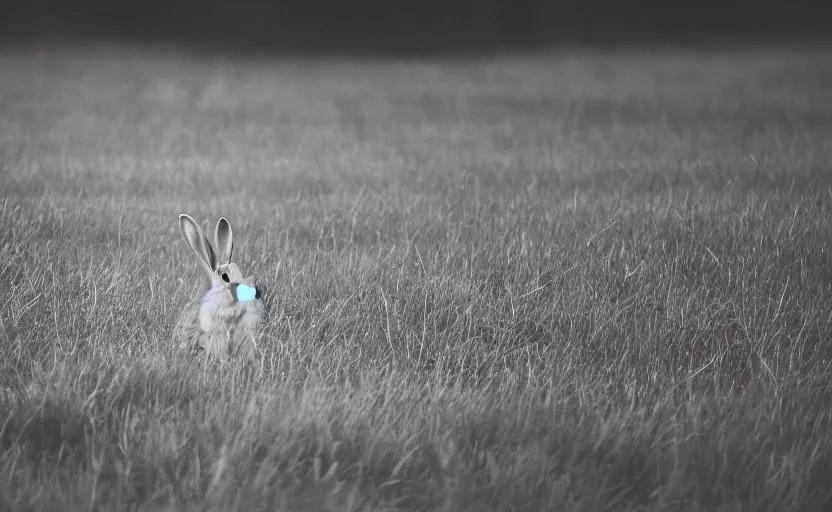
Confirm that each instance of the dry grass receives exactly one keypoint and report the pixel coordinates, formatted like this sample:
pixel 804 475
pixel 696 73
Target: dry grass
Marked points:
pixel 566 282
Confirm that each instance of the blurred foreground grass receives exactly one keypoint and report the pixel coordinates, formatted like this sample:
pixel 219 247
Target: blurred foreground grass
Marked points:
pixel 566 282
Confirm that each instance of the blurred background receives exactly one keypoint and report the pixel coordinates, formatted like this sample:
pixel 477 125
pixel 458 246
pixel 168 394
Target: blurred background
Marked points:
pixel 376 26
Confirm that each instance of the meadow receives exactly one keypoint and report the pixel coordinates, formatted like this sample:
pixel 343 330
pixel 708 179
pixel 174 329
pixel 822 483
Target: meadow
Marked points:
pixel 567 281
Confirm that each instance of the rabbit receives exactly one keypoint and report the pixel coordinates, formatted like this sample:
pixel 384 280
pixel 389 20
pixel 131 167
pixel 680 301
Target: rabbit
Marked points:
pixel 227 318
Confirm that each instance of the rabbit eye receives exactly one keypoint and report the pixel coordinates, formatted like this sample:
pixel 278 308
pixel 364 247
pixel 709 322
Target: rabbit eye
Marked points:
pixel 225 277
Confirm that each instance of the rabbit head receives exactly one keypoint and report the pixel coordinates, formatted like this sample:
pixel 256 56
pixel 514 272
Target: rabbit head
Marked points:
pixel 218 265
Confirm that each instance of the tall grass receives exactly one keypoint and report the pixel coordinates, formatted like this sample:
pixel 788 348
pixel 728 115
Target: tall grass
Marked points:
pixel 567 282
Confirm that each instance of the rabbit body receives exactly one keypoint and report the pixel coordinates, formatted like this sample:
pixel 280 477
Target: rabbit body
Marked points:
pixel 218 322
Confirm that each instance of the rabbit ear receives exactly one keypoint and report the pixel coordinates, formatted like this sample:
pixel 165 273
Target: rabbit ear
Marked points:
pixel 198 241
pixel 225 241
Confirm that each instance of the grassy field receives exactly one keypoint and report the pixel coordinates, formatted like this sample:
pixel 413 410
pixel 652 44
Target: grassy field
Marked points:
pixel 565 282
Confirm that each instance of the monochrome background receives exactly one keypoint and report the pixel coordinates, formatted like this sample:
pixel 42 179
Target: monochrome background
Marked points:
pixel 432 25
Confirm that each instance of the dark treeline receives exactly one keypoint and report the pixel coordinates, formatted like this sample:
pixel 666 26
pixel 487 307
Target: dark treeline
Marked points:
pixel 428 25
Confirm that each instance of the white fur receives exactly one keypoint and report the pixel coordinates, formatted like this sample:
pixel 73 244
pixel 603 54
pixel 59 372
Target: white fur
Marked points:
pixel 220 324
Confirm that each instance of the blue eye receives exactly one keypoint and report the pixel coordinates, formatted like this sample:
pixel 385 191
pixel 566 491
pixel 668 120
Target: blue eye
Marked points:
pixel 245 293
